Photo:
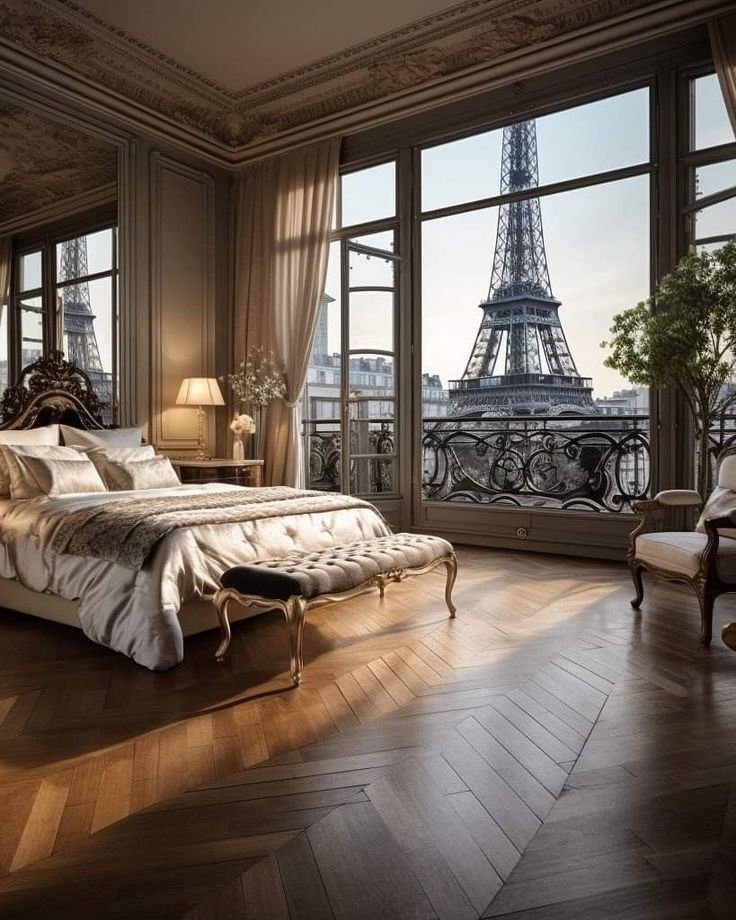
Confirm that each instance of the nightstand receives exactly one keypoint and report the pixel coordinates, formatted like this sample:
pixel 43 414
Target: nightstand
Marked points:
pixel 236 472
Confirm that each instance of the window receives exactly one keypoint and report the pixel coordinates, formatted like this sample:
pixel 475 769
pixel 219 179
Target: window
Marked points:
pixel 518 233
pixel 710 212
pixel 350 426
pixel 518 289
pixel 64 296
pixel 711 168
pixel 29 305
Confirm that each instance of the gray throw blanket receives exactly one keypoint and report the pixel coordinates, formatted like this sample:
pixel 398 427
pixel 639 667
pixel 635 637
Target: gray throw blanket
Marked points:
pixel 127 531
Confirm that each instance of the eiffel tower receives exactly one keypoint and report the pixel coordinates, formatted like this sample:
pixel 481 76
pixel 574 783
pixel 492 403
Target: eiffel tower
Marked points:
pixel 521 363
pixel 80 339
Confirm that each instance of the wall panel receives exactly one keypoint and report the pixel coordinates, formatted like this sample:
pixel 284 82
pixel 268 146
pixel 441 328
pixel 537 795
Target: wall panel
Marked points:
pixel 183 315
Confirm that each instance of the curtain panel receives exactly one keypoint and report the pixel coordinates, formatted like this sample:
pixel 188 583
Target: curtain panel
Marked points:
pixel 723 42
pixel 284 209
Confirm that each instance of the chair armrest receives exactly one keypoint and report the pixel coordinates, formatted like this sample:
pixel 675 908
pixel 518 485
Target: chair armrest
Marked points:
pixel 678 498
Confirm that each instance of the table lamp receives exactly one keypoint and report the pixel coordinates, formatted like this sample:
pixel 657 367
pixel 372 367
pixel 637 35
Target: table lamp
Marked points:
pixel 199 392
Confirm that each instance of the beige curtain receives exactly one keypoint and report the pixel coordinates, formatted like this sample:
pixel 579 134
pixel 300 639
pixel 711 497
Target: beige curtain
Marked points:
pixel 723 42
pixel 5 256
pixel 283 217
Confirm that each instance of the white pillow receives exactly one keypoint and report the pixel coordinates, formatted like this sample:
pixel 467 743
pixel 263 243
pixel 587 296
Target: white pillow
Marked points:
pixel 102 457
pixel 48 435
pixel 64 477
pixel 156 473
pixel 103 437
pixel 23 482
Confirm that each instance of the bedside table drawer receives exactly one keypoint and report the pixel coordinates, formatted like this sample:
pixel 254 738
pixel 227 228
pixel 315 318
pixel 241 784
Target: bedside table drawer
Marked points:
pixel 238 474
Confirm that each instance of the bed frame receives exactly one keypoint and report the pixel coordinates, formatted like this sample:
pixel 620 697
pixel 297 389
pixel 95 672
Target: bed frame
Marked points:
pixel 52 390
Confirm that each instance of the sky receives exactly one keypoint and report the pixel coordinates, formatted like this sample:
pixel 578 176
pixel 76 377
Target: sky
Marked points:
pixel 597 238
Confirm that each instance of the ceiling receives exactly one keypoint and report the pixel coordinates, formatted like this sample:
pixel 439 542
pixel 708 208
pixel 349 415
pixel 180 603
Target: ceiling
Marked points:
pixel 239 43
pixel 43 162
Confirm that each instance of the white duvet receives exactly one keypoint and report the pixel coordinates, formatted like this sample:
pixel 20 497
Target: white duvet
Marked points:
pixel 135 612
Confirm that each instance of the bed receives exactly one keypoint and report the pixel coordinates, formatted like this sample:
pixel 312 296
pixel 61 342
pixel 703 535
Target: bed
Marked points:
pixel 135 570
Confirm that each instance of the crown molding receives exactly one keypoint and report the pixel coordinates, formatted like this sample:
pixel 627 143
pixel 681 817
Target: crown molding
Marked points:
pixel 73 54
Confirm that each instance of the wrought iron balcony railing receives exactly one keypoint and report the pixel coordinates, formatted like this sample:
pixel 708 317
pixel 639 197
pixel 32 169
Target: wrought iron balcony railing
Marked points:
pixel 592 463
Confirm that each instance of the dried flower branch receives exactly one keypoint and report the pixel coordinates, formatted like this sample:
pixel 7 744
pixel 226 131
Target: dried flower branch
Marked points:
pixel 259 379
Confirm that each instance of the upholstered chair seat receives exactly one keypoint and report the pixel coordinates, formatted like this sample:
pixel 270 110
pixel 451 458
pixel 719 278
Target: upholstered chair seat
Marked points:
pixel 704 558
pixel 682 552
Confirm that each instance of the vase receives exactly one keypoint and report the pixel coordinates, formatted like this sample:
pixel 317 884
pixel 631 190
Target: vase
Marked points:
pixel 238 448
pixel 259 417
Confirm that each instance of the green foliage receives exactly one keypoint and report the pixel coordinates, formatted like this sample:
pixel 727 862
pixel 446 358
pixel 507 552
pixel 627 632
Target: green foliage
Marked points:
pixel 685 336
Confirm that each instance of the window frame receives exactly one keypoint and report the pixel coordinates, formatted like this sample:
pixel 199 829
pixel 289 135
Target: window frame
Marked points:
pixel 344 236
pixel 658 63
pixel 45 239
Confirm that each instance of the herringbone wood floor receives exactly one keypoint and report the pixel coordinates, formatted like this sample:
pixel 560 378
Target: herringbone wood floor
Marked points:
pixel 549 754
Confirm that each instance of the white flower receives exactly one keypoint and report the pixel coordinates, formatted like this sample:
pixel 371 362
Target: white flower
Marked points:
pixel 242 424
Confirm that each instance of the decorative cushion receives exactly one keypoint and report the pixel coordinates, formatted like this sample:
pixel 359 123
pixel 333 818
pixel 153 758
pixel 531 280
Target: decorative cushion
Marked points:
pixel 721 503
pixel 337 568
pixel 680 553
pixel 23 482
pixel 102 457
pixel 64 477
pixel 727 472
pixel 105 437
pixel 153 473
pixel 47 435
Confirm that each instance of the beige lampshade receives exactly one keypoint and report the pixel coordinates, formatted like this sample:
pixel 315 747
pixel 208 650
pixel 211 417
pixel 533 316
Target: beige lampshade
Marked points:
pixel 199 391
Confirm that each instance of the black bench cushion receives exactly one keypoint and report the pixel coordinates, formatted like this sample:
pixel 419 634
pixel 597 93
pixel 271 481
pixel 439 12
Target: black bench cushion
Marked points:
pixel 337 568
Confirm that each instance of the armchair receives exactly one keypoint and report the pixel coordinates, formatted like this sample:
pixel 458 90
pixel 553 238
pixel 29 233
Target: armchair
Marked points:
pixel 704 558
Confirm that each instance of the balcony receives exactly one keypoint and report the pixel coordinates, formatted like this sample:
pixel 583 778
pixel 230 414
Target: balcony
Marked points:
pixel 590 463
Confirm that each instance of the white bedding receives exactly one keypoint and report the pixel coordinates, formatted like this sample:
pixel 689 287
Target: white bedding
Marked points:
pixel 135 612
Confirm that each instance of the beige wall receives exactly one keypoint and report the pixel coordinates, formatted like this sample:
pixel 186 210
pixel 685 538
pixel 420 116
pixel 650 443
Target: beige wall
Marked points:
pixel 178 307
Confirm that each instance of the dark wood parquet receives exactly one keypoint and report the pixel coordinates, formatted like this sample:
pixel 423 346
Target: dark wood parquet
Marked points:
pixel 549 754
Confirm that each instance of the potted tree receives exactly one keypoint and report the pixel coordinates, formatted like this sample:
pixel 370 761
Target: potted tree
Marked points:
pixel 685 336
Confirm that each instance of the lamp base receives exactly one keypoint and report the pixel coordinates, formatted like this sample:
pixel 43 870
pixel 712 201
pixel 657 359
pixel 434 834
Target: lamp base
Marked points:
pixel 202 452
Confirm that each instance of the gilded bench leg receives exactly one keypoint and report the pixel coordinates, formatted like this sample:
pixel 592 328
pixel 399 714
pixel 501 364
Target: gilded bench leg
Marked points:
pixel 222 599
pixel 451 566
pixel 295 611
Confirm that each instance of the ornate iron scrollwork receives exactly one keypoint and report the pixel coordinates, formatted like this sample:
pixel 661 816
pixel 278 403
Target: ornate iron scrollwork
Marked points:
pixel 554 462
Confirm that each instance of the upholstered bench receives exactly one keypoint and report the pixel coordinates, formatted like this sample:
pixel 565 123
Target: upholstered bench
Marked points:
pixel 302 581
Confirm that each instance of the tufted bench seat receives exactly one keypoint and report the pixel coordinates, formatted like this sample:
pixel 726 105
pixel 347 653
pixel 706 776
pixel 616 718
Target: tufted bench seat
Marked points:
pixel 302 581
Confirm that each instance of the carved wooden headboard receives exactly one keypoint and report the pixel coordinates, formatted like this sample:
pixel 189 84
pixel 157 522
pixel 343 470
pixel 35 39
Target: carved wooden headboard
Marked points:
pixel 51 390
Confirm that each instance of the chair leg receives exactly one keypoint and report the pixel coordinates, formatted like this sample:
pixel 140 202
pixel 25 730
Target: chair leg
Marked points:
pixel 706 599
pixel 221 600
pixel 451 566
pixel 636 575
pixel 296 615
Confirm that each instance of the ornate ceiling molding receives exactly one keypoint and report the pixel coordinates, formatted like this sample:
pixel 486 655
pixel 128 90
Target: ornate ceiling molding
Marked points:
pixel 47 162
pixel 476 33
